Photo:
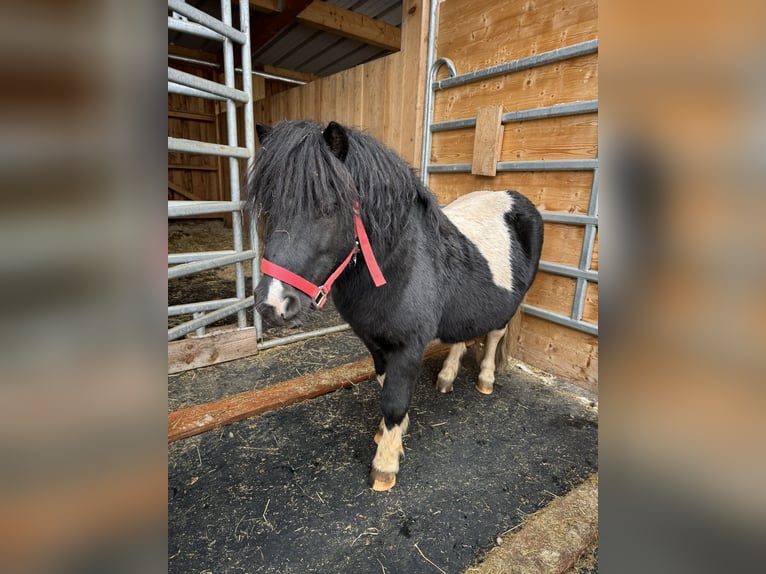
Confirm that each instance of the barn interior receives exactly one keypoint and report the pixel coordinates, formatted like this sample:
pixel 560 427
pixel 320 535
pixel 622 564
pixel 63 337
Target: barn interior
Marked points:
pixel 270 429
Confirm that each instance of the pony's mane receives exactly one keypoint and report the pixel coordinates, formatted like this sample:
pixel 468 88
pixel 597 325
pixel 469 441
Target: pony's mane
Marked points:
pixel 296 175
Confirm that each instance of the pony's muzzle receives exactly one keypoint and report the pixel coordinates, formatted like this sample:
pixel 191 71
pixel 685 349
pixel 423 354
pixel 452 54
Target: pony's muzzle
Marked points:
pixel 277 301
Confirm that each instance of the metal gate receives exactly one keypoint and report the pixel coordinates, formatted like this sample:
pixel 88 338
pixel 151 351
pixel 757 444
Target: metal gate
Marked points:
pixel 188 19
pixel 582 273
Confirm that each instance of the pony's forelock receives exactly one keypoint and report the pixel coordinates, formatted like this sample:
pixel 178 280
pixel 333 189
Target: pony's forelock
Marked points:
pixel 295 176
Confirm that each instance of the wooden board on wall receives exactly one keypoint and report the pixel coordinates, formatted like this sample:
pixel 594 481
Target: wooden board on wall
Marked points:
pixel 563 82
pixel 568 191
pixel 573 137
pixel 552 292
pixel 559 350
pixel 480 34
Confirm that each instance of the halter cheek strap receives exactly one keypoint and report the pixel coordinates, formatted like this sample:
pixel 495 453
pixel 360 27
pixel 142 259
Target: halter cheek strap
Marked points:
pixel 318 293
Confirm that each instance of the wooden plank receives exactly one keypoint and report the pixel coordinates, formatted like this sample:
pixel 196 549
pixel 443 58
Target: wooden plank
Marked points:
pixel 594 260
pixel 559 83
pixel 567 192
pixel 187 354
pixel 552 292
pixel 590 310
pixel 574 137
pixel 415 15
pixel 562 243
pixel 552 539
pixel 189 166
pixel 183 191
pixel 197 116
pixel 200 418
pixel 561 351
pixel 191 53
pixel 488 140
pixel 341 22
pixel 479 34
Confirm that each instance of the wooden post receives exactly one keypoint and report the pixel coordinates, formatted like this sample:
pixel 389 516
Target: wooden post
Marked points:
pixel 488 140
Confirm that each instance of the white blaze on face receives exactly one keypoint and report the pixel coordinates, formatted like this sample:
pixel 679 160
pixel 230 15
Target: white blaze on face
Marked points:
pixel 276 296
pixel 480 216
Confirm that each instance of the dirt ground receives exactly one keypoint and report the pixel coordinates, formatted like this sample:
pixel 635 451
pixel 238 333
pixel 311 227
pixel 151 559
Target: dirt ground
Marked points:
pixel 286 492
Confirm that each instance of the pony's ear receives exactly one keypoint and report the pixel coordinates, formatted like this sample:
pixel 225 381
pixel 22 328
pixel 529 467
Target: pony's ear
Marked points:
pixel 337 138
pixel 263 131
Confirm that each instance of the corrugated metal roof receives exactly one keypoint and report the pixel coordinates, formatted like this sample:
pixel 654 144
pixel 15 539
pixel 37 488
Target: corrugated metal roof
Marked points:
pixel 300 48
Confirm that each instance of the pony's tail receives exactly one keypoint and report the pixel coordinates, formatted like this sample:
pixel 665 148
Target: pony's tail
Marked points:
pixel 508 347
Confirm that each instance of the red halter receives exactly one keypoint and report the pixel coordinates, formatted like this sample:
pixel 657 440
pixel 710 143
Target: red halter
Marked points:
pixel 318 293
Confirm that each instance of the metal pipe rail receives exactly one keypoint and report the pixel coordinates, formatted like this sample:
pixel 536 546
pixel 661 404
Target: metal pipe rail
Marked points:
pixel 582 273
pixel 555 111
pixel 192 81
pixel 185 269
pixel 573 51
pixel 223 28
pixel 534 165
pixel 190 146
pixel 174 88
pixel 206 26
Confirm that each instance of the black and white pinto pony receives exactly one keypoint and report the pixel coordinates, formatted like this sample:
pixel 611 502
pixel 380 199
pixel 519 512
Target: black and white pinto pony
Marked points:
pixel 342 210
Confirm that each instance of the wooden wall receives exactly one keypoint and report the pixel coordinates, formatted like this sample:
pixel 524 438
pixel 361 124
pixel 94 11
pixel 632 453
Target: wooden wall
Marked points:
pixel 480 34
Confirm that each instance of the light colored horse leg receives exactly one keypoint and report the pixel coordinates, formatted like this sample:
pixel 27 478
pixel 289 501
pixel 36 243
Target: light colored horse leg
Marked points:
pixel 487 371
pixel 381 427
pixel 449 368
pixel 385 465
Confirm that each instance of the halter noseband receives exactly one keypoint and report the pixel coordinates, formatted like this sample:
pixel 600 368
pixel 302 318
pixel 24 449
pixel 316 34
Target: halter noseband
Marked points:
pixel 318 293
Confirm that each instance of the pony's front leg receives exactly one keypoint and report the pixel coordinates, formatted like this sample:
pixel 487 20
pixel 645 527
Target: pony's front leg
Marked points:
pixel 401 372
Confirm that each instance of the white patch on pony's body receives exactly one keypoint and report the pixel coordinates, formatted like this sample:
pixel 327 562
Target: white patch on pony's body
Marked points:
pixel 276 296
pixel 480 216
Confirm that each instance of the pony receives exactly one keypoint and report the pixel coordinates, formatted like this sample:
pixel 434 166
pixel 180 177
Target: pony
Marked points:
pixel 343 211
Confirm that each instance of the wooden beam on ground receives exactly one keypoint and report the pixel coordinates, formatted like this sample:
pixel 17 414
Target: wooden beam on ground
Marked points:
pixel 200 418
pixel 552 539
pixel 193 353
pixel 330 18
pixel 194 420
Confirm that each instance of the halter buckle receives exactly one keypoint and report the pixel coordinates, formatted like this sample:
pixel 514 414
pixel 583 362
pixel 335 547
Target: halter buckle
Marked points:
pixel 320 299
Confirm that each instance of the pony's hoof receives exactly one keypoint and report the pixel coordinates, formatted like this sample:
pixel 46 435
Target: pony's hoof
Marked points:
pixel 444 385
pixel 381 379
pixel 485 388
pixel 381 481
